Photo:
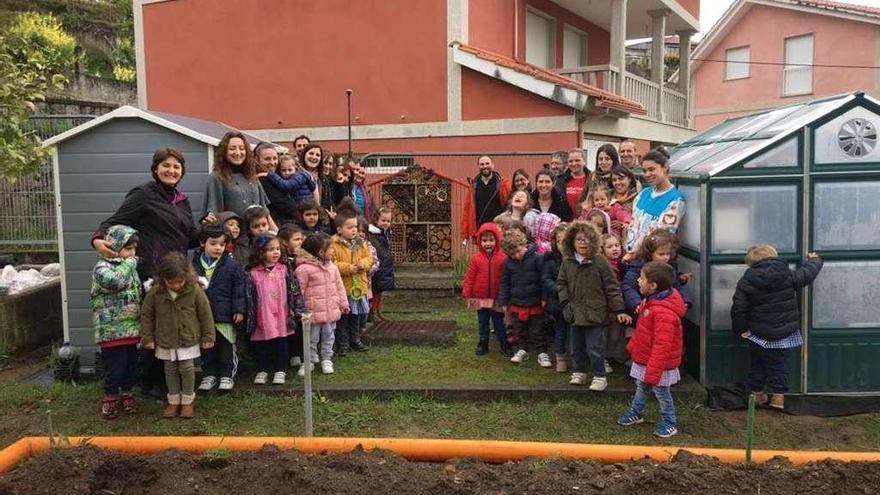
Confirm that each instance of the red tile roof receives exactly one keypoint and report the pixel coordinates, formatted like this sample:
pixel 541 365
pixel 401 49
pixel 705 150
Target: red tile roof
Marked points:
pixel 604 99
pixel 841 6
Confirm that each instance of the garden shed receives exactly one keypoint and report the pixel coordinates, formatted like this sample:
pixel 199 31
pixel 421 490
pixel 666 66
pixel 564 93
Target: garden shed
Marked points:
pixel 802 178
pixel 95 164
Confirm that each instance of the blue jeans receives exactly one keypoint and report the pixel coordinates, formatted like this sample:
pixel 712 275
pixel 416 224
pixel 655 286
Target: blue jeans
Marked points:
pixel 664 399
pixel 483 317
pixel 560 332
pixel 588 341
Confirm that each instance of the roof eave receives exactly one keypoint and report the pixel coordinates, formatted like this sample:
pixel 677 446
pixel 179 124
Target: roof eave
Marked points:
pixel 560 94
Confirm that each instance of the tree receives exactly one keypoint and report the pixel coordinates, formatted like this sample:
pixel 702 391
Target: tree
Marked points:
pixel 34 53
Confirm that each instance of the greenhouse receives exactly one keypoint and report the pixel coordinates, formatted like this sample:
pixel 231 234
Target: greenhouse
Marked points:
pixel 802 178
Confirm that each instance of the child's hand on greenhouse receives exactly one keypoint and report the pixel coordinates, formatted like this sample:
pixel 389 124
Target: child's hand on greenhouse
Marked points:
pixel 812 256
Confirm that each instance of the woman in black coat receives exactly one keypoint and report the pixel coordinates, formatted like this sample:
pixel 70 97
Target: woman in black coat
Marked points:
pixel 547 199
pixel 159 212
pixel 162 216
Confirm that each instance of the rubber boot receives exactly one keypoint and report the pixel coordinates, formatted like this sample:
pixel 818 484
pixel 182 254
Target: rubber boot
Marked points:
pixel 482 346
pixel 562 363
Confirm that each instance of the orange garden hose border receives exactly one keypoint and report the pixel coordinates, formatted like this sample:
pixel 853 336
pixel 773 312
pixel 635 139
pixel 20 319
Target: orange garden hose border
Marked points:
pixel 414 449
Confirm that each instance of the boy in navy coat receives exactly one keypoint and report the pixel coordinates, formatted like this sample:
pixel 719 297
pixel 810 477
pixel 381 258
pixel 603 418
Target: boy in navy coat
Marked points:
pixel 225 280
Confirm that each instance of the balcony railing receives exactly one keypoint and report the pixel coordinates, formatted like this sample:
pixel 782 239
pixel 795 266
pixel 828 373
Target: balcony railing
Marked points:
pixel 667 105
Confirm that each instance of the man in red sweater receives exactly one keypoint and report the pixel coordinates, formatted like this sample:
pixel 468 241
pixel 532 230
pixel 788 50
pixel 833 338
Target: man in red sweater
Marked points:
pixel 571 182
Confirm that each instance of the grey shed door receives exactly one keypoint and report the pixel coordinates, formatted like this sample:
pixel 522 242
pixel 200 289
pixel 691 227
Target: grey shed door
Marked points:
pixel 96 170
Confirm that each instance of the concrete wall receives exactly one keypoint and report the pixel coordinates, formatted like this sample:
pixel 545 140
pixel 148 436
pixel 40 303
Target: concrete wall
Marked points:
pixel 836 42
pixel 96 170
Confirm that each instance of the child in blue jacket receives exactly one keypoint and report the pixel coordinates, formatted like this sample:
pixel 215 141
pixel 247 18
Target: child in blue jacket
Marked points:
pixel 225 281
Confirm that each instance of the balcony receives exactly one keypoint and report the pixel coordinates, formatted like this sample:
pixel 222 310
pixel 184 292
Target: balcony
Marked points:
pixel 662 104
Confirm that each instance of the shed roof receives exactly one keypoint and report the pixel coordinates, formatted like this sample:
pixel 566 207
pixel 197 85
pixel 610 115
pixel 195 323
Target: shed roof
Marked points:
pixel 205 131
pixel 726 144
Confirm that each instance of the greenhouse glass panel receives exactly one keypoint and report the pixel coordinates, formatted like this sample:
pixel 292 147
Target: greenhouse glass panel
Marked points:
pixel 783 155
pixel 743 216
pixel 694 287
pixel 845 295
pixel 682 159
pixel 724 279
pixel 720 156
pixel 847 215
pixel 849 138
pixel 689 230
pixel 803 115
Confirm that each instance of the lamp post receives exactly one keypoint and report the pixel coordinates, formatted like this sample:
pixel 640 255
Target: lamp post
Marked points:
pixel 348 98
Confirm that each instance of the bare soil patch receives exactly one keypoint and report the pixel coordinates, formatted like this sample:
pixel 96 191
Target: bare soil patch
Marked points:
pixel 270 470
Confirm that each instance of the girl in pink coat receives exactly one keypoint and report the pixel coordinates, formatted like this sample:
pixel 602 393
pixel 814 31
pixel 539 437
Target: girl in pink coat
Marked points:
pixel 324 296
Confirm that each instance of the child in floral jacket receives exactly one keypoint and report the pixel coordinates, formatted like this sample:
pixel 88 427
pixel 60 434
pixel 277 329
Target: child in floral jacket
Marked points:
pixel 116 301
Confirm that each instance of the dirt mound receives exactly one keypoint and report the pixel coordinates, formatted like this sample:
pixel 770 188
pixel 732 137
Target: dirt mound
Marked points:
pixel 89 470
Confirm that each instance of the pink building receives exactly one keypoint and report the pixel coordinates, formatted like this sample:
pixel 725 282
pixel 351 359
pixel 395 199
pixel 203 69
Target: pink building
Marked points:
pixel 769 53
pixel 427 75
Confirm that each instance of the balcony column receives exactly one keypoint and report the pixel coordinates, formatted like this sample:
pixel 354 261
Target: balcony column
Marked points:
pixel 684 68
pixel 618 43
pixel 658 54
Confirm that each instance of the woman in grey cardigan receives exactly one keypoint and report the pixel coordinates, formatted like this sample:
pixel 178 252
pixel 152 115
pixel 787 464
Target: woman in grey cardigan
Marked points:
pixel 233 185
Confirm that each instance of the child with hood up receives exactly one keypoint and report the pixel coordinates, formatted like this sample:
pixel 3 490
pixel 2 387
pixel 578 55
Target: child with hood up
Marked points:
pixel 116 307
pixel 482 281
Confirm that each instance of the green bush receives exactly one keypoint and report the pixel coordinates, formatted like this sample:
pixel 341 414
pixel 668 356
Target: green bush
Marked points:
pixel 40 39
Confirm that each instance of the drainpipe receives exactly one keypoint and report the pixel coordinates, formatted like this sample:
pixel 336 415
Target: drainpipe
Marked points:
pixel 516 30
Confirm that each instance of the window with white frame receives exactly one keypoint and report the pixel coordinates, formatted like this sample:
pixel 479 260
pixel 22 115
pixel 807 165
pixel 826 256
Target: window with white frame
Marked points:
pixel 736 64
pixel 540 39
pixel 797 73
pixel 574 47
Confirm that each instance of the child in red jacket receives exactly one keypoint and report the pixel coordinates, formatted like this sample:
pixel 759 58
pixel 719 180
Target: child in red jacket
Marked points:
pixel 481 283
pixel 656 347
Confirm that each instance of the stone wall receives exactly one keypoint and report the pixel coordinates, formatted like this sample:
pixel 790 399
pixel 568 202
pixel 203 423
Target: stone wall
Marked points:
pixel 88 95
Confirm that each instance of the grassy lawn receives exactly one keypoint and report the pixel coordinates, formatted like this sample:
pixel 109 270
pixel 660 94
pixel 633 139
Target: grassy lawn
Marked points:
pixel 26 410
pixel 414 365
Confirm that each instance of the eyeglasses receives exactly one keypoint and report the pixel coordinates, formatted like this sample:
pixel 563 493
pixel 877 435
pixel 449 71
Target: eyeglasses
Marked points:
pixel 582 240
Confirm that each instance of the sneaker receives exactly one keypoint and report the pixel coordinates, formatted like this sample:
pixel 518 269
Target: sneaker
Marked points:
pixel 544 360
pixel 261 378
pixel 279 378
pixel 315 359
pixel 578 379
pixel 327 367
pixel 520 356
pixel 665 430
pixel 359 346
pixel 128 403
pixel 599 384
pixel 109 409
pixel 608 368
pixel 630 418
pixel 302 369
pixel 208 383
pixel 295 361
pixel 562 363
pixel 226 383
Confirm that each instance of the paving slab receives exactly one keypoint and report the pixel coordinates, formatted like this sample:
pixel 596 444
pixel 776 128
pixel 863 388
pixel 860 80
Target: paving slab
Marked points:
pixel 440 333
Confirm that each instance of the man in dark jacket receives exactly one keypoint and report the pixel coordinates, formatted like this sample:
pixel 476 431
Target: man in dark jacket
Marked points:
pixel 486 198
pixel 521 292
pixel 766 312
